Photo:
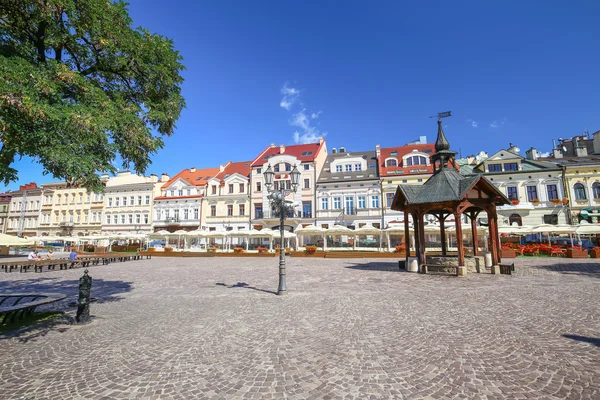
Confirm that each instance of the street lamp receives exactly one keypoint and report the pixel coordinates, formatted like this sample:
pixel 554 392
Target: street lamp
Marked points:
pixel 279 195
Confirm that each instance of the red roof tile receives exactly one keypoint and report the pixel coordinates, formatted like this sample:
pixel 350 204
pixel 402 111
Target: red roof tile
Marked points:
pixel 243 168
pixel 303 152
pixel 385 153
pixel 197 178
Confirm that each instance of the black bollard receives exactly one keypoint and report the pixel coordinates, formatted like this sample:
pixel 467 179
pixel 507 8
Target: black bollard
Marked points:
pixel 83 304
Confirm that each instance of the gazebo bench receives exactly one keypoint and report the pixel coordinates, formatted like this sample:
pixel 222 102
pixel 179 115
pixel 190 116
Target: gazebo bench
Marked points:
pixel 12 307
pixel 437 267
pixel 507 269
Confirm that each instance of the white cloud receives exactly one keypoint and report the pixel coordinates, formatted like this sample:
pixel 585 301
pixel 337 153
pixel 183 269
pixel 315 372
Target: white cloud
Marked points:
pixel 305 132
pixel 290 95
pixel 545 155
pixel 474 124
pixel 496 124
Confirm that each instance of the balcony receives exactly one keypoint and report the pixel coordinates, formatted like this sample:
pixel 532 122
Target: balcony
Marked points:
pixel 66 224
pixel 228 217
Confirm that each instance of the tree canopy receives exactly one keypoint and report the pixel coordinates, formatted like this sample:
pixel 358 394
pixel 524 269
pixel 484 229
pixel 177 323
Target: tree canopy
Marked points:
pixel 81 88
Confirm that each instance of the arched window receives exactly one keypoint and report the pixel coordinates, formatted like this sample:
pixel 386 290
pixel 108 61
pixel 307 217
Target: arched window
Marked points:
pixel 416 160
pixel 596 190
pixel 515 219
pixel 391 163
pixel 579 192
pixel 288 167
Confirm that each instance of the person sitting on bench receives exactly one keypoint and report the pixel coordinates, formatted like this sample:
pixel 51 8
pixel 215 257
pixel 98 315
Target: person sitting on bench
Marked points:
pixel 33 255
pixel 73 256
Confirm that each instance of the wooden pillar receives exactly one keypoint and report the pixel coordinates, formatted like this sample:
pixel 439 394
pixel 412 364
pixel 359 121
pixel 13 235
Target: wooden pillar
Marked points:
pixel 420 238
pixel 459 239
pixel 473 215
pixel 406 237
pixel 442 220
pixel 498 244
pixel 492 234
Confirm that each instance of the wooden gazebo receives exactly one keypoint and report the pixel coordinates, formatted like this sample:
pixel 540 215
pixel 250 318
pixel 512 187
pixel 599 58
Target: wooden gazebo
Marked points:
pixel 446 193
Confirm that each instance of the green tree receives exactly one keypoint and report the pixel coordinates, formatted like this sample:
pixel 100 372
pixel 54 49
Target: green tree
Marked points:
pixel 80 87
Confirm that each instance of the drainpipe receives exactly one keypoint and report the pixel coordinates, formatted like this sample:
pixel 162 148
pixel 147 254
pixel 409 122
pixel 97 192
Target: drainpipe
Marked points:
pixel 567 194
pixel 315 192
pixel 383 201
pixel 250 203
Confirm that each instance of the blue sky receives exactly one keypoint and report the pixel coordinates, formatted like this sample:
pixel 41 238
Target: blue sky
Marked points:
pixel 367 73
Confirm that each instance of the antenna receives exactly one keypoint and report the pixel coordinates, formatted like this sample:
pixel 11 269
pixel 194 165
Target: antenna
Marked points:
pixel 441 115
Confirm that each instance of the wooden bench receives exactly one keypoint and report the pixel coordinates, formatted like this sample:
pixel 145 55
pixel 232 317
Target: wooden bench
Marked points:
pixel 20 305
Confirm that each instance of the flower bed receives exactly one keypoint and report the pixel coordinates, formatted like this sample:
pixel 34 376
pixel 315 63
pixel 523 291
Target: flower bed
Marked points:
pixel 309 250
pixel 261 249
pixel 577 252
pixel 238 250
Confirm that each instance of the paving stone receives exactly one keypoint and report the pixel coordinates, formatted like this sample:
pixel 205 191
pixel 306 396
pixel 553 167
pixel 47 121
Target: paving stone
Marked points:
pixel 186 328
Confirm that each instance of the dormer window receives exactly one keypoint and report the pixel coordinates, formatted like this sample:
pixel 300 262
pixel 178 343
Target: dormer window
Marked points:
pixel 348 167
pixel 494 167
pixel 338 168
pixel 416 160
pixel 288 167
pixel 214 189
pixel 511 166
pixel 357 167
pixel 391 163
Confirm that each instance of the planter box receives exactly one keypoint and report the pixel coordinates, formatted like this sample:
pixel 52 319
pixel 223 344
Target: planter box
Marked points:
pixel 595 253
pixel 319 254
pixel 575 253
pixel 508 253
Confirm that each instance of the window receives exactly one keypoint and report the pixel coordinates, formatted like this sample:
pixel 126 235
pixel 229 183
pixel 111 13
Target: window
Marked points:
pixel 348 167
pixel 116 202
pixel 137 218
pixel 337 203
pixel 416 160
pixel 551 219
pixel 108 220
pixel 306 167
pixel 276 168
pixel 147 200
pixel 213 189
pixel 579 192
pixel 131 200
pixel 115 219
pixel 196 213
pixel 242 188
pixel 124 201
pixel 258 211
pixel 306 209
pixel 213 211
pixel 258 186
pixel 229 210
pixel 145 218
pixel 186 213
pixel 362 203
pixel 110 201
pixel 87 198
pixel 188 192
pixel 338 168
pixel 276 185
pixel 242 209
pixel 176 212
pixel 552 192
pixel 374 201
pixel 391 163
pixel 511 193
pixel 388 199
pixel 259 170
pixel 66 198
pixel 130 218
pixel 81 197
pixel 515 219
pixel 139 200
pixel 349 205
pixel 288 167
pixel 596 190
pixel 307 184
pixel 494 167
pixel 231 188
pixel 532 193
pixel 511 167
pixel 324 203
pixel 357 167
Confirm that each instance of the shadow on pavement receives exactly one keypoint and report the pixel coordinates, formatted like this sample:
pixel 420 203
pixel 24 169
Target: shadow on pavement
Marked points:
pixel 591 270
pixel 244 285
pixel 377 266
pixel 594 341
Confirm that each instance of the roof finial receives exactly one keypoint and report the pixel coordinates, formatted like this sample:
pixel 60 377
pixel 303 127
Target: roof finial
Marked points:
pixel 441 143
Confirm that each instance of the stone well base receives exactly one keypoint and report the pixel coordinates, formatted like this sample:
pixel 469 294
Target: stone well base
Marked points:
pixel 472 263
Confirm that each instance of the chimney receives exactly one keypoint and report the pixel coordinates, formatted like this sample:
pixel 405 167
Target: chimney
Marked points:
pixel 342 149
pixel 281 149
pixel 333 151
pixel 557 153
pixel 532 154
pixel 164 177
pixel 471 160
pixel 321 140
pixel 221 168
pixel 272 145
pixel 596 141
pixel 193 169
pixel 581 151
pixel 153 178
pixel 378 150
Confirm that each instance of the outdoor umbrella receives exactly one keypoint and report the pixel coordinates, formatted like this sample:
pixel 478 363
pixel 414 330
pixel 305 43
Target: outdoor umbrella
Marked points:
pixel 368 230
pixel 9 240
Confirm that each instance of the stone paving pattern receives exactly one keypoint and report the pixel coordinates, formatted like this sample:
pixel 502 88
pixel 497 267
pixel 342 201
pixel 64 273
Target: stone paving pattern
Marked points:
pixel 348 329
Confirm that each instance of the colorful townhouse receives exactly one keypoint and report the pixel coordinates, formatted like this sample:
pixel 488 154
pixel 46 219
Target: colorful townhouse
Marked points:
pixel 309 159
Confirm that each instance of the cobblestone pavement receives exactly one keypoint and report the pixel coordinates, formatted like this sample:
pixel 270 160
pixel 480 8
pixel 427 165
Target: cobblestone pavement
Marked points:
pixel 348 329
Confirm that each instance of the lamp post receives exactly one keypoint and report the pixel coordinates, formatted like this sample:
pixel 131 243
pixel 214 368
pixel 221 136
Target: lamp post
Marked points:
pixel 279 194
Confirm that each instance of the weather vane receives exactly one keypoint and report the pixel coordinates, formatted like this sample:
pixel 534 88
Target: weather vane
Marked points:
pixel 442 115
